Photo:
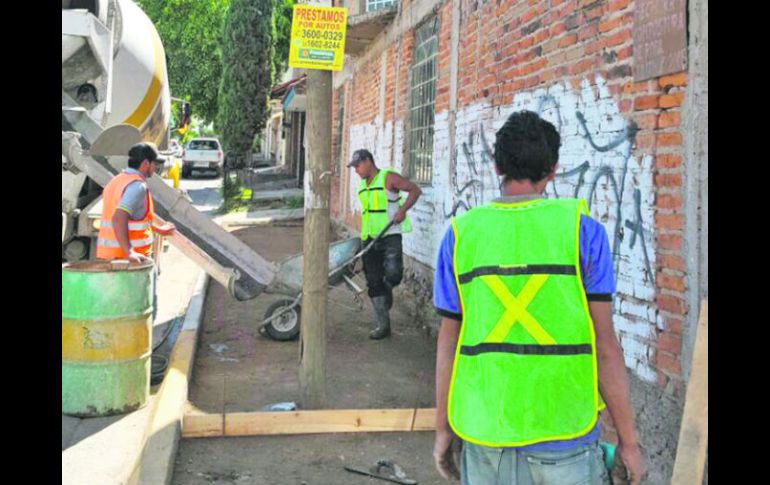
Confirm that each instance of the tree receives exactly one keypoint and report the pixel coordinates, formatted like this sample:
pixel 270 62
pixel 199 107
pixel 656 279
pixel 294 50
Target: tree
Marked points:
pixel 247 56
pixel 282 33
pixel 191 32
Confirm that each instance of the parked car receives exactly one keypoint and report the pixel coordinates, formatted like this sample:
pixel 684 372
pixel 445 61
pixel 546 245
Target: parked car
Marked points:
pixel 203 154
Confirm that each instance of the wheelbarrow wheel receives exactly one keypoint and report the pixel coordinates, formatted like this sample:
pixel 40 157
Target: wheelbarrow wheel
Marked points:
pixel 286 326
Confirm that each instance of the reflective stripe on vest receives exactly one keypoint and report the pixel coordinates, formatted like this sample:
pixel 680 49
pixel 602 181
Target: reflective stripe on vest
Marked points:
pixel 115 244
pixel 525 368
pixel 132 226
pixel 374 206
pixel 140 235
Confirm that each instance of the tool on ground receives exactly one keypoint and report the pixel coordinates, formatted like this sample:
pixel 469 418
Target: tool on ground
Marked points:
pixel 280 406
pixel 385 470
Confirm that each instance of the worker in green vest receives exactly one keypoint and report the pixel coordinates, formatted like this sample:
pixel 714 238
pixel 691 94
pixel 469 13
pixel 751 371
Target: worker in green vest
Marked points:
pixel 381 202
pixel 527 355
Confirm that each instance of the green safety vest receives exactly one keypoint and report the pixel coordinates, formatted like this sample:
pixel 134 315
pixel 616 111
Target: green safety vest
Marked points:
pixel 374 206
pixel 525 367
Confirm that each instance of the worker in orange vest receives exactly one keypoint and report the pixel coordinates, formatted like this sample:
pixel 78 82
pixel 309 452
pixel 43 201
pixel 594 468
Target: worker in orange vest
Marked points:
pixel 127 224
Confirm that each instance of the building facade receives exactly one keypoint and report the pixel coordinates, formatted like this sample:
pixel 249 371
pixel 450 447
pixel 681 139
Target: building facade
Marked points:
pixel 426 85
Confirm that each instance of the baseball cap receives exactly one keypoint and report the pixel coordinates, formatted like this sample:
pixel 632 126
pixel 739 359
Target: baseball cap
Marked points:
pixel 359 156
pixel 145 150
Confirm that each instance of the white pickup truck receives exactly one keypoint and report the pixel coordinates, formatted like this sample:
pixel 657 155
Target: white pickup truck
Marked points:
pixel 203 154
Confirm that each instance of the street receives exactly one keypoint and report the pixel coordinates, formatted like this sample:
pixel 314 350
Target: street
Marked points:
pixel 206 197
pixel 204 190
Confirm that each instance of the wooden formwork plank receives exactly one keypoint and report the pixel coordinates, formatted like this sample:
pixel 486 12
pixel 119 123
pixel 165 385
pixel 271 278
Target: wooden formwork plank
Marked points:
pixel 693 435
pixel 200 425
pixel 197 425
pixel 425 419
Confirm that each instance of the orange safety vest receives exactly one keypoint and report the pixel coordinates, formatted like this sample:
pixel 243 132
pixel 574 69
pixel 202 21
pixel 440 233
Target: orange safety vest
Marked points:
pixel 139 232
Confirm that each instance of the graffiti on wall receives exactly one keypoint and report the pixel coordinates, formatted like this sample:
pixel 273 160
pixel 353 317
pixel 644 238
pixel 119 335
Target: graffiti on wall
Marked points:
pixel 602 181
pixel 607 174
pixel 471 192
pixel 596 162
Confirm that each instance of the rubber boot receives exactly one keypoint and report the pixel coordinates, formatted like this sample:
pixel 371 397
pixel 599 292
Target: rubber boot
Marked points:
pixel 381 324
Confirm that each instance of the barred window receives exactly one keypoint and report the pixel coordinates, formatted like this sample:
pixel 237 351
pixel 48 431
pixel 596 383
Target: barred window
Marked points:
pixel 422 97
pixel 374 5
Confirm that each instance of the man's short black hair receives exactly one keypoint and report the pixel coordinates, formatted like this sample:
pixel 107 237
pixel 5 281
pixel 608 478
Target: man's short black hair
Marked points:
pixel 526 147
pixel 141 152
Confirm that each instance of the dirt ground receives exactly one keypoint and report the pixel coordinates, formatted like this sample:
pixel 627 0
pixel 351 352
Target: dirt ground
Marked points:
pixel 303 460
pixel 238 370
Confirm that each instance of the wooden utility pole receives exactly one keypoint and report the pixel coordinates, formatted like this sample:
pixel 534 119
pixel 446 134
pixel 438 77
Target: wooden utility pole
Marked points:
pixel 315 269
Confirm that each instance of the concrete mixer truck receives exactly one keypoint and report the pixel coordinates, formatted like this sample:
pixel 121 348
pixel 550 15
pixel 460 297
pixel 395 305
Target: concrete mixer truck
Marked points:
pixel 114 68
pixel 115 93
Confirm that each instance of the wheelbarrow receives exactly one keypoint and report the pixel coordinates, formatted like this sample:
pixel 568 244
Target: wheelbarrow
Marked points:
pixel 281 320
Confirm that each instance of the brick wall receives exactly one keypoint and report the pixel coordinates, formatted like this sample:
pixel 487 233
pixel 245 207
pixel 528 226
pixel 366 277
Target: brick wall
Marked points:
pixel 572 62
pixel 366 93
pixel 443 57
pixel 390 83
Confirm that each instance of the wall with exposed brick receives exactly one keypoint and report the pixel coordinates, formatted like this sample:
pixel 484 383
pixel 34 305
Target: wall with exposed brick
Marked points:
pixel 572 62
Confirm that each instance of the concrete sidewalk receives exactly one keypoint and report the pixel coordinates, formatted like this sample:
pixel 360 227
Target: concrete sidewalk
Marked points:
pixel 259 195
pixel 106 451
pixel 260 217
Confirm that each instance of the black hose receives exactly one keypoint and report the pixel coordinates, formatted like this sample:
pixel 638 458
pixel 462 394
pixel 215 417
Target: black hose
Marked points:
pixel 158 371
pixel 168 331
pixel 159 362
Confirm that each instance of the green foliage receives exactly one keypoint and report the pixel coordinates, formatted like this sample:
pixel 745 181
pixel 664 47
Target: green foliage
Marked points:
pixel 191 32
pixel 247 56
pixel 173 120
pixel 198 128
pixel 295 202
pixel 191 133
pixel 235 197
pixel 282 33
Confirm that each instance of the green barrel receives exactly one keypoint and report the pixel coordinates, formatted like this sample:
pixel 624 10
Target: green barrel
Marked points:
pixel 106 324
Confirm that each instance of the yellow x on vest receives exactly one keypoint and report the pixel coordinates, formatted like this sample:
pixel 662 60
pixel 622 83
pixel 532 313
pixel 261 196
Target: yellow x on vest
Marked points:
pixel 516 309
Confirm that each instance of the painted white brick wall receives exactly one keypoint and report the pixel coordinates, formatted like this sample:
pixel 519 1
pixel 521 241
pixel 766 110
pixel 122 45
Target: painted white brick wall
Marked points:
pixel 377 137
pixel 596 162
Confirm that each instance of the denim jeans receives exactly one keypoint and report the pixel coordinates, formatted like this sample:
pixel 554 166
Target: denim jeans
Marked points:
pixel 384 262
pixel 580 465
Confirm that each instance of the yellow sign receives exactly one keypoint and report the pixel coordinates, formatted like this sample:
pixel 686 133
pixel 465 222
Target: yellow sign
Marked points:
pixel 318 37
